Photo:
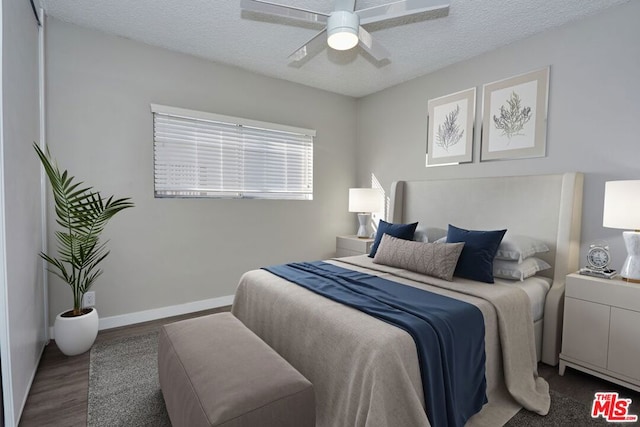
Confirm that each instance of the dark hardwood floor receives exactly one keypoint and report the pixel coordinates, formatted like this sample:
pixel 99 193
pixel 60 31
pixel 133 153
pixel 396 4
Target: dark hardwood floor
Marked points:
pixel 58 395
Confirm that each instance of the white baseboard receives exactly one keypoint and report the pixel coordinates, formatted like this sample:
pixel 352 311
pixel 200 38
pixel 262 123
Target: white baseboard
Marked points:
pixel 159 313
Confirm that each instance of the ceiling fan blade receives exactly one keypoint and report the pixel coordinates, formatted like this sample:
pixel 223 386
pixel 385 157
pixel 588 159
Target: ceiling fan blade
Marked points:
pixel 311 47
pixel 399 9
pixel 371 46
pixel 282 10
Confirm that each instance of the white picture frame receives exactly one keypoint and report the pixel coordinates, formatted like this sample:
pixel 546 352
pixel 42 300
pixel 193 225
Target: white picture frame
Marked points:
pixel 450 128
pixel 514 122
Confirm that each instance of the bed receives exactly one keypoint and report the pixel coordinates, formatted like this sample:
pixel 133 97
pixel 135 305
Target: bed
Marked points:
pixel 365 371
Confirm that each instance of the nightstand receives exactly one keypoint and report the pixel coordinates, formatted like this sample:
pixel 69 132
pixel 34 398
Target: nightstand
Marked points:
pixel 601 333
pixel 352 245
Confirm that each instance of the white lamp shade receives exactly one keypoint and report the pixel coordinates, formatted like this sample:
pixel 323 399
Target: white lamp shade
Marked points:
pixel 622 205
pixel 366 200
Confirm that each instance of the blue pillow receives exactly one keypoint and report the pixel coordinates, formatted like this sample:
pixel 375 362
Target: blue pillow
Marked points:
pixel 401 231
pixel 480 247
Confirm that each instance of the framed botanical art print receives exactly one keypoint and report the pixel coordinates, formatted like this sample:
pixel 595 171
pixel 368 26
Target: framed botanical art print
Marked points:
pixel 514 123
pixel 450 128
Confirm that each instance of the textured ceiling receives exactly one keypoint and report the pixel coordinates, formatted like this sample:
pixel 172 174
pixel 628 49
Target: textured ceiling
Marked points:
pixel 218 30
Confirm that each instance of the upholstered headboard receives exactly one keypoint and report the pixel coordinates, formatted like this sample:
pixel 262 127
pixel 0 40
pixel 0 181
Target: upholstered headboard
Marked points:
pixel 548 207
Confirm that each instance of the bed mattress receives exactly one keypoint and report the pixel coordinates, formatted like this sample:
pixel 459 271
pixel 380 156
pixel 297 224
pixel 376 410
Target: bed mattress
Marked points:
pixel 536 288
pixel 365 372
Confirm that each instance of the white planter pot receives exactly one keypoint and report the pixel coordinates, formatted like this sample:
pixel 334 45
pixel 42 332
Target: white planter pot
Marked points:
pixel 75 335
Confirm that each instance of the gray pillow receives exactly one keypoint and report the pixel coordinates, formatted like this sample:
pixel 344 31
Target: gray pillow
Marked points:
pixel 433 259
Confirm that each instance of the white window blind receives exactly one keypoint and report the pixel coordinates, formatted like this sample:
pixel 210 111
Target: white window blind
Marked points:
pixel 199 154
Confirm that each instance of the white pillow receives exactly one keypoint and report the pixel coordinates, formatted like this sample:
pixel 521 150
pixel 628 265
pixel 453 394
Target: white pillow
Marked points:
pixel 519 248
pixel 428 234
pixel 515 248
pixel 514 270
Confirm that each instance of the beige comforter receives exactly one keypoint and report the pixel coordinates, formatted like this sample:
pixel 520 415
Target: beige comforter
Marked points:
pixel 365 372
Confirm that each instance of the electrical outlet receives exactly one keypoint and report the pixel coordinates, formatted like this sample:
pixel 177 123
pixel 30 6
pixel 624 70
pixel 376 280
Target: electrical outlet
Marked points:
pixel 89 299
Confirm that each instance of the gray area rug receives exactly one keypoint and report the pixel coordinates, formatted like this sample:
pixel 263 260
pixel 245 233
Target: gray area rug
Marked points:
pixel 564 411
pixel 123 384
pixel 124 391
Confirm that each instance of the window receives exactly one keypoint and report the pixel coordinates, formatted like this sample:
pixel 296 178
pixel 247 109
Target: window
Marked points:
pixel 199 154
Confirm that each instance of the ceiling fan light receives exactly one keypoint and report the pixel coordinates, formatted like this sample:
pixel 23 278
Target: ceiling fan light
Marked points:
pixel 342 30
pixel 342 40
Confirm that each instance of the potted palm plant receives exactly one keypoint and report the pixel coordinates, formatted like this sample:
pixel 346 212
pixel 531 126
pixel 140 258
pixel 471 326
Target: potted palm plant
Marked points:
pixel 82 214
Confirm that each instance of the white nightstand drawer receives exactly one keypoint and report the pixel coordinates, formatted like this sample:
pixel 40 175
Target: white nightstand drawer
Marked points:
pixel 352 245
pixel 612 292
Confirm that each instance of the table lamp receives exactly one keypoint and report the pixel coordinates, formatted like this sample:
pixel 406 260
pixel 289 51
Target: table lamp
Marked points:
pixel 622 210
pixel 364 201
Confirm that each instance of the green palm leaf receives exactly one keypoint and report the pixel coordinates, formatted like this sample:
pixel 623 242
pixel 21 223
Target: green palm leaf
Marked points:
pixel 82 214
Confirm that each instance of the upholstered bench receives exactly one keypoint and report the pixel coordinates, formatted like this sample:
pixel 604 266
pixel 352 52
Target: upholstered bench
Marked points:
pixel 215 372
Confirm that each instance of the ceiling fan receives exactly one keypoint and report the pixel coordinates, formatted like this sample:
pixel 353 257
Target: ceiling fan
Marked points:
pixel 344 25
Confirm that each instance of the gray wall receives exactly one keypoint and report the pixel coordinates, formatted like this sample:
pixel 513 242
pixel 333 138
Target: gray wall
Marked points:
pixel 594 109
pixel 24 308
pixel 170 251
pixel 167 252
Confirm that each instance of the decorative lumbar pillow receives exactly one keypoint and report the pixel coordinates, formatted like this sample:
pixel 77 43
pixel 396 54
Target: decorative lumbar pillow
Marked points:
pixel 433 259
pixel 401 231
pixel 518 248
pixel 515 270
pixel 429 234
pixel 480 247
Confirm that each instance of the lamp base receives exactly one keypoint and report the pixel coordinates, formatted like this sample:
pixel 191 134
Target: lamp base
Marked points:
pixel 631 268
pixel 363 230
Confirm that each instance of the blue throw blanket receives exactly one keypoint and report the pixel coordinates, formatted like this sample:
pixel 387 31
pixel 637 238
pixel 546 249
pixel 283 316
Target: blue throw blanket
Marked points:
pixel 449 334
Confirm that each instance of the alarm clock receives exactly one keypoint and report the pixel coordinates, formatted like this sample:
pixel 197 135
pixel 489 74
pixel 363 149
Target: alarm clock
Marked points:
pixel 598 257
